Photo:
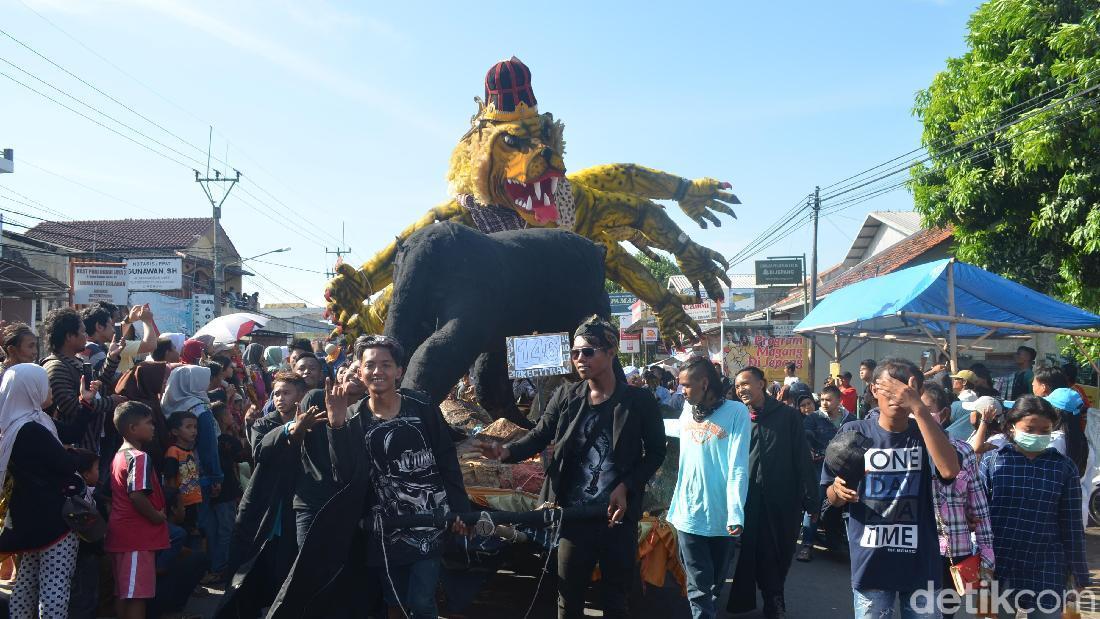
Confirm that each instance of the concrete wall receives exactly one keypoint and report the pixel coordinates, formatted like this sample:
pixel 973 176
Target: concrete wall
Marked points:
pixel 56 265
pixel 203 247
pixel 884 238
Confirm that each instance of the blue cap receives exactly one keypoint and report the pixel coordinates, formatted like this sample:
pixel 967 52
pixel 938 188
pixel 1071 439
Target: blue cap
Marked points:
pixel 1064 398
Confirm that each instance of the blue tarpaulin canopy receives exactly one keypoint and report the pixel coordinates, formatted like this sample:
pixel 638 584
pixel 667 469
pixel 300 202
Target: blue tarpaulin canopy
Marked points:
pixel 917 302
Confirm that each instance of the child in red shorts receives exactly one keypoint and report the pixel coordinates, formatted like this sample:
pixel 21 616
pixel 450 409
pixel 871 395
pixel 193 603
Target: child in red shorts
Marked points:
pixel 137 528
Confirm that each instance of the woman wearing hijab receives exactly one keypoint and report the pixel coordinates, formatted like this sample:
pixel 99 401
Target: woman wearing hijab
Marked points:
pixel 254 364
pixel 275 359
pixel 144 383
pixel 191 351
pixel 40 470
pixel 186 392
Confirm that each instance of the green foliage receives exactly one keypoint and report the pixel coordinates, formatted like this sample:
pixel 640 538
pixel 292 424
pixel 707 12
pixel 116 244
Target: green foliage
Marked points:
pixel 662 269
pixel 1024 201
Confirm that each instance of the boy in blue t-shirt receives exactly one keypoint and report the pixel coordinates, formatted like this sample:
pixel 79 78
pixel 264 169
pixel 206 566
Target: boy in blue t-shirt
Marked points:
pixel 891 526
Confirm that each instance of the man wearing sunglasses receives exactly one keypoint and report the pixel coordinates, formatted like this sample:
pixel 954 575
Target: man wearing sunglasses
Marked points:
pixel 608 442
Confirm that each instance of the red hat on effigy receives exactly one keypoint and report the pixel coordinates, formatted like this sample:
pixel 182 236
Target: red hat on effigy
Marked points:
pixel 508 93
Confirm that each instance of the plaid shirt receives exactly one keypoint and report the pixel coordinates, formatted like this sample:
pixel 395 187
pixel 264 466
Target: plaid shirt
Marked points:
pixel 1035 509
pixel 961 503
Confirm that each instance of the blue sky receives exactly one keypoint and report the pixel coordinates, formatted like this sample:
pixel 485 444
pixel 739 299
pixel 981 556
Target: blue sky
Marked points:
pixel 347 111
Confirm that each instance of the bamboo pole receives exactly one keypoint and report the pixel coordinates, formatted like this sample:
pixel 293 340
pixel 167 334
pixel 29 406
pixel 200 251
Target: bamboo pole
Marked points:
pixel 953 329
pixel 998 324
pixel 898 340
pixel 844 354
pixel 882 336
pixel 942 345
pixel 1085 355
pixel 985 335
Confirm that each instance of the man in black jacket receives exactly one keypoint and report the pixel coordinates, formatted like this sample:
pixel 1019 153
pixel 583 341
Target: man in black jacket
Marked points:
pixel 262 546
pixel 781 486
pixel 400 440
pixel 608 442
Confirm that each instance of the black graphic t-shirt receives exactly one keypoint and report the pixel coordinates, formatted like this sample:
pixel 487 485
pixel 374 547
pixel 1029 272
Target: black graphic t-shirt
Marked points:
pixel 591 471
pixel 892 528
pixel 405 480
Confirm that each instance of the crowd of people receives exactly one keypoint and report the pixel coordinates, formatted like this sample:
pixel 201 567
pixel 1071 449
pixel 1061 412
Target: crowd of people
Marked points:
pixel 126 447
pixel 181 463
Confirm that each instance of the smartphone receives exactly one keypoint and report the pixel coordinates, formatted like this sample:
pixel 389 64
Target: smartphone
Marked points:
pixel 86 371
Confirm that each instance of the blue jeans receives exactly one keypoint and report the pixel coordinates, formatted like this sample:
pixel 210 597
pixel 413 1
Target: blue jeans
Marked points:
pixel 809 530
pixel 177 538
pixel 706 563
pixel 415 583
pixel 223 515
pixel 879 604
pixel 1032 608
pixel 303 519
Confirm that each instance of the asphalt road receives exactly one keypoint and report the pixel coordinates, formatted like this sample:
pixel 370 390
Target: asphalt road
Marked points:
pixel 817 589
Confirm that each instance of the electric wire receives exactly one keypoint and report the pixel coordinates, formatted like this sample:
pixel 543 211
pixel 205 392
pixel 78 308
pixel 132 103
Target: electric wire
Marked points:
pixel 138 114
pixel 1021 118
pixel 1067 116
pixel 107 127
pixel 1050 94
pixel 97 110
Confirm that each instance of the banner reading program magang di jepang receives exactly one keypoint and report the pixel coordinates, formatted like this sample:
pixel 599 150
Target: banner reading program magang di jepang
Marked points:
pixel 770 354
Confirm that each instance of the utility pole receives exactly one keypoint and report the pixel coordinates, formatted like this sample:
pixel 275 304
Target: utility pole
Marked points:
pixel 217 206
pixel 339 252
pixel 815 211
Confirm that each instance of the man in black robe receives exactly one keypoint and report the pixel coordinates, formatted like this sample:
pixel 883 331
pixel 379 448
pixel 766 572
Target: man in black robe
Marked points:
pixel 781 486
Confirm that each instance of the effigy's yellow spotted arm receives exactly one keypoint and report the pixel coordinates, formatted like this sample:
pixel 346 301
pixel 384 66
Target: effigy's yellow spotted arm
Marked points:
pixel 610 217
pixel 701 199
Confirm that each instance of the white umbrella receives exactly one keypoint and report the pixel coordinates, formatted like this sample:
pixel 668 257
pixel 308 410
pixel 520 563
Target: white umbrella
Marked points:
pixel 226 330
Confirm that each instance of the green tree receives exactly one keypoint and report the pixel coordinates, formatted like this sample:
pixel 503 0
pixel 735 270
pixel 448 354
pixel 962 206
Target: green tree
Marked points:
pixel 1025 200
pixel 662 269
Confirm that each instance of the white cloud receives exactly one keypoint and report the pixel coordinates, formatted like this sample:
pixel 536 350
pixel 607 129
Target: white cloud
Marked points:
pixel 320 15
pixel 323 17
pixel 71 7
pixel 294 62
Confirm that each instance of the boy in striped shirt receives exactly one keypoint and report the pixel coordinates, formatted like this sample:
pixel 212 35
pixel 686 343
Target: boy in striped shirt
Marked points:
pixel 137 528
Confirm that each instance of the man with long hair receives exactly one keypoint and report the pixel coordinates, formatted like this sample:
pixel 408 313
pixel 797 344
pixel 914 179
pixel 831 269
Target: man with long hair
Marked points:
pixel 707 507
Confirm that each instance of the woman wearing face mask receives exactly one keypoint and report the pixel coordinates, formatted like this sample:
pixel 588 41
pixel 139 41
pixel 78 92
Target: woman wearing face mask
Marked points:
pixel 1035 509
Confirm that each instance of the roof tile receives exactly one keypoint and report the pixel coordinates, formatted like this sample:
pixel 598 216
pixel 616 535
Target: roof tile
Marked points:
pixel 105 234
pixel 903 253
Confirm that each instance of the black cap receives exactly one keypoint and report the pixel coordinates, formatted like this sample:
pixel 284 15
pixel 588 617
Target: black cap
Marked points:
pixel 844 456
pixel 798 390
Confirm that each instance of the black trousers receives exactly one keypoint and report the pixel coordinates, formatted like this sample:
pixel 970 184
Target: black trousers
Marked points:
pixel 582 546
pixel 767 547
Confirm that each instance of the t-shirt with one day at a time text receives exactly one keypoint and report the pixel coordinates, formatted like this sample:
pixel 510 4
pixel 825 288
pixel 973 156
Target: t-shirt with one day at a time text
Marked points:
pixel 892 528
